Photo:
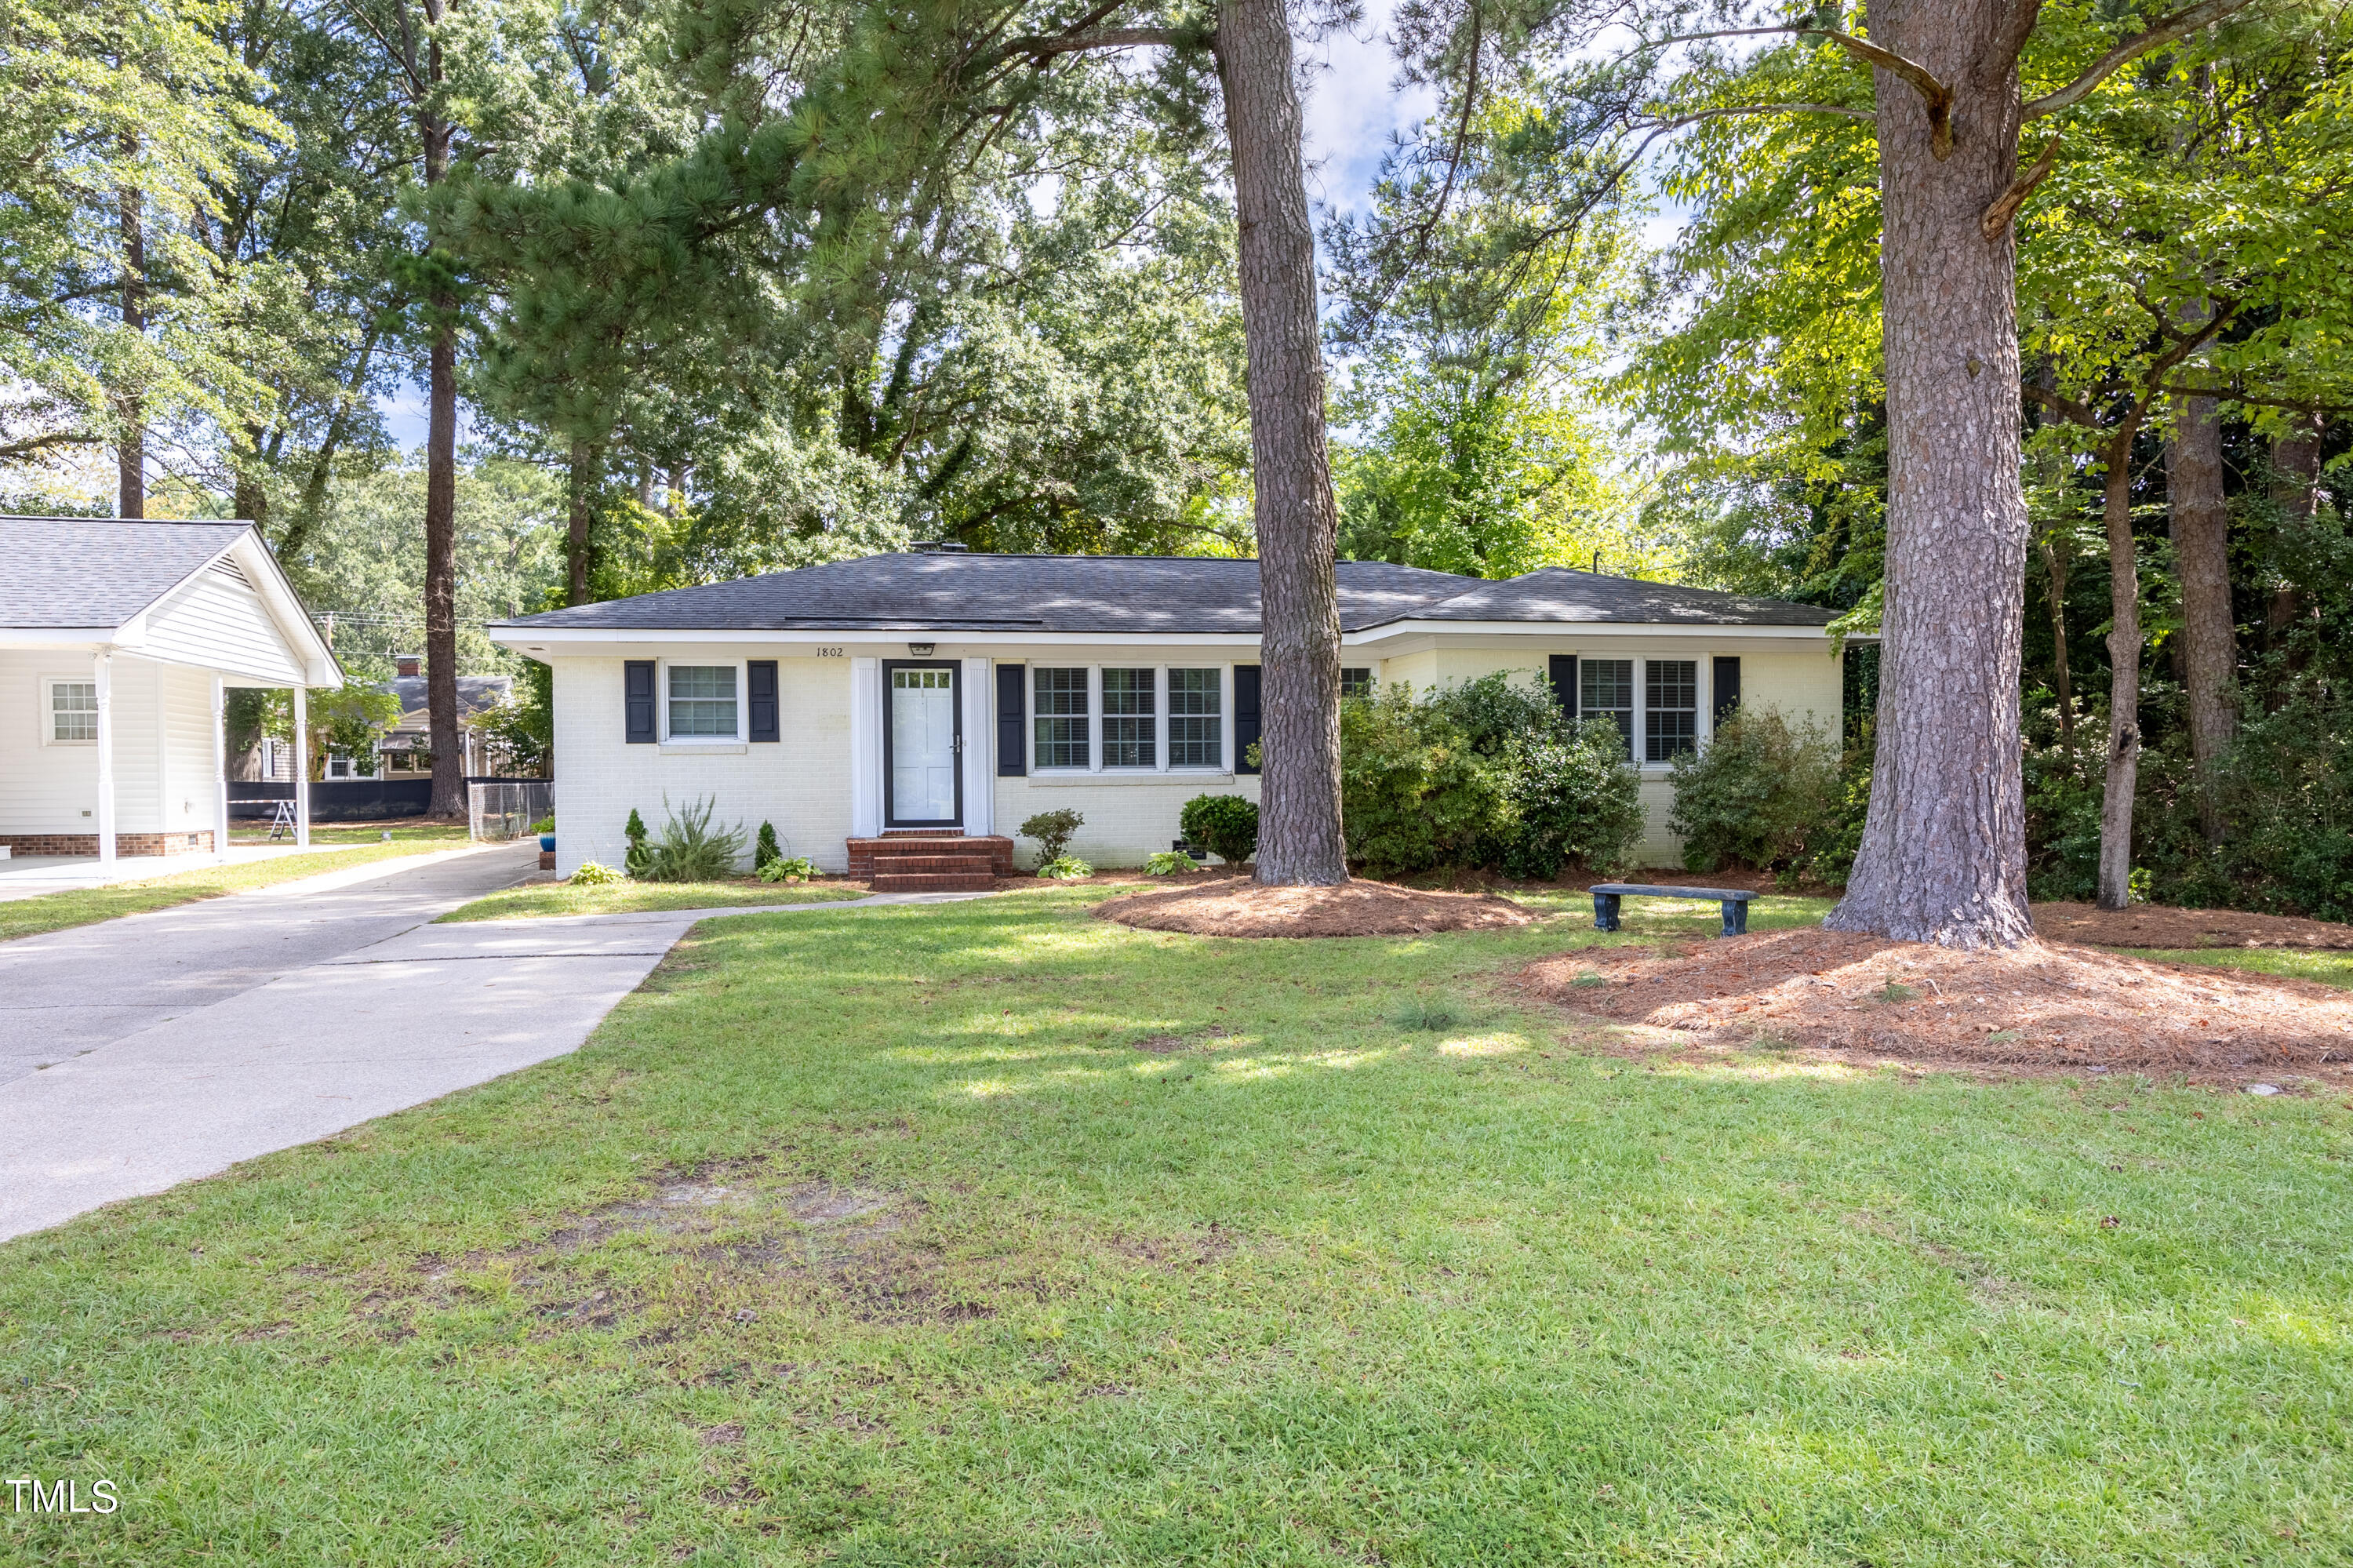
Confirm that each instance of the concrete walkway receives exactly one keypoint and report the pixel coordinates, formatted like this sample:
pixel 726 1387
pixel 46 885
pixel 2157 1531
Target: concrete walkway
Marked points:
pixel 179 1043
pixel 30 876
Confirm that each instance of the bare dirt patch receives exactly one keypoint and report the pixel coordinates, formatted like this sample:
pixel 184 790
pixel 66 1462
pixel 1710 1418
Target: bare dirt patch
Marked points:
pixel 2150 926
pixel 1234 908
pixel 2046 1006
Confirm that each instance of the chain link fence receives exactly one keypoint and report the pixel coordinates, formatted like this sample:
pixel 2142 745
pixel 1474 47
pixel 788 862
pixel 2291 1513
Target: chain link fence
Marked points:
pixel 498 812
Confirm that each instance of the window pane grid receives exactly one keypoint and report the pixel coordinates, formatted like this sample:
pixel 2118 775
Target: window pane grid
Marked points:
pixel 1129 714
pixel 1195 730
pixel 1355 683
pixel 702 700
pixel 73 710
pixel 1670 708
pixel 1060 706
pixel 1606 686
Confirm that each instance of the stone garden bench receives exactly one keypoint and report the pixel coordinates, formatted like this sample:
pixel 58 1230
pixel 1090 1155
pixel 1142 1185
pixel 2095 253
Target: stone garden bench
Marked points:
pixel 1606 895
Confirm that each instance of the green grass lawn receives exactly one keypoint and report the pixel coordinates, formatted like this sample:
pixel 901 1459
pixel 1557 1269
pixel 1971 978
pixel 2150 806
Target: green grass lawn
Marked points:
pixel 541 898
pixel 82 907
pixel 991 1233
pixel 446 834
pixel 2327 967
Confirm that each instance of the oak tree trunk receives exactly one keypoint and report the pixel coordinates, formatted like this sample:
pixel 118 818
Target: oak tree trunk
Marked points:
pixel 2201 549
pixel 1297 518
pixel 2124 674
pixel 1943 844
pixel 441 509
pixel 131 446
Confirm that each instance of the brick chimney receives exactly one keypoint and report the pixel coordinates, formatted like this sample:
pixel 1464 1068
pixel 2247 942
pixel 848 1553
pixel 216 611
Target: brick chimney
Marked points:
pixel 406 664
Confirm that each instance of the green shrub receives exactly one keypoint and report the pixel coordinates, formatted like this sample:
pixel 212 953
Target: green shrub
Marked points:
pixel 691 849
pixel 1169 863
pixel 591 874
pixel 1065 868
pixel 633 860
pixel 789 868
pixel 1574 800
pixel 1757 795
pixel 1495 714
pixel 1413 792
pixel 766 851
pixel 1225 825
pixel 1054 832
pixel 544 825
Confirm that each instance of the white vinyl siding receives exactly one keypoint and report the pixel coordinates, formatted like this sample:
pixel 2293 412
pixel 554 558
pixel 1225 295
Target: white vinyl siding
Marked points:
pixel 217 622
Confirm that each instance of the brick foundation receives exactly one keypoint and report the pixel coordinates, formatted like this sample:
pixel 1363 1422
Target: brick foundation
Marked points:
pixel 199 842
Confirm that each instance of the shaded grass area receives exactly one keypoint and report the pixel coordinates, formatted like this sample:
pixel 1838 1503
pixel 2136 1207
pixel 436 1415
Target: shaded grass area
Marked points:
pixel 446 834
pixel 2329 968
pixel 992 1233
pixel 542 898
pixel 82 907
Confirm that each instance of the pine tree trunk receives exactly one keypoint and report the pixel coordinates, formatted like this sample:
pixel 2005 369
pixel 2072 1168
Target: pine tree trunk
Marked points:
pixel 131 446
pixel 1943 845
pixel 441 511
pixel 2210 638
pixel 1297 517
pixel 580 488
pixel 2124 674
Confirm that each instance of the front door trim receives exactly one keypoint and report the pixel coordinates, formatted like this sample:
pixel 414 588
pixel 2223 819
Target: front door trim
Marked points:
pixel 891 818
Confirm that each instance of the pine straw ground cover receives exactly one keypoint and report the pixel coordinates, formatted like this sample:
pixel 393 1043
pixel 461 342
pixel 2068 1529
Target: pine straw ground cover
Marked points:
pixel 2043 1006
pixel 992 1233
pixel 1236 907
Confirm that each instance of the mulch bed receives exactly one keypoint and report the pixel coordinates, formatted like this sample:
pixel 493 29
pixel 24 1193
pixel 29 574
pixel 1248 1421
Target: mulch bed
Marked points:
pixel 1234 906
pixel 2151 926
pixel 2045 1005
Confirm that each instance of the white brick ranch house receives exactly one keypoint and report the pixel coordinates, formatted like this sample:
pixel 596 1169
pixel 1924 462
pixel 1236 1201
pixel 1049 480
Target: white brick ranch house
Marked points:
pixel 947 693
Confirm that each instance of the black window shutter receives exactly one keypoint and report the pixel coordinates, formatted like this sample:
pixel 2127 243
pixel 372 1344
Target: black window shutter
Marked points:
pixel 760 687
pixel 1012 755
pixel 1564 683
pixel 1727 688
pixel 638 693
pixel 1246 723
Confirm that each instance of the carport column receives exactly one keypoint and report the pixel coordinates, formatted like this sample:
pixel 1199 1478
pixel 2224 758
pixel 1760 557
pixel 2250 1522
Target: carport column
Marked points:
pixel 220 768
pixel 104 685
pixel 865 749
pixel 302 767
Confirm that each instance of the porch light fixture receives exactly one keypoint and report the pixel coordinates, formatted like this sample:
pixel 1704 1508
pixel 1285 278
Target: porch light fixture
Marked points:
pixel 920 650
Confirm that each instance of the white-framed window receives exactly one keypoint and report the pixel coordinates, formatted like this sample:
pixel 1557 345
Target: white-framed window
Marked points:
pixel 1670 708
pixel 1606 690
pixel 1355 681
pixel 702 702
pixel 69 711
pixel 1125 718
pixel 1197 720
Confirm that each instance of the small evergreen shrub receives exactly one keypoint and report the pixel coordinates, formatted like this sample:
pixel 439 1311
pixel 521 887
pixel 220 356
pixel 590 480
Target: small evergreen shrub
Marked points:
pixel 765 850
pixel 1065 868
pixel 1053 830
pixel 591 874
pixel 1225 825
pixel 633 860
pixel 1757 795
pixel 789 868
pixel 1169 863
pixel 691 849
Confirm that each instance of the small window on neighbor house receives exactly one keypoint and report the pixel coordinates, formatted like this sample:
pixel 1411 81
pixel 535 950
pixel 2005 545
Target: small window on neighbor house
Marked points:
pixel 1060 706
pixel 1606 689
pixel 73 710
pixel 1670 708
pixel 702 700
pixel 1196 718
pixel 1130 721
pixel 1355 684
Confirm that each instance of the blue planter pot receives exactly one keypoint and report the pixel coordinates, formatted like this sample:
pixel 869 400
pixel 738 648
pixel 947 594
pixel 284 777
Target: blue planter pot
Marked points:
pixel 548 843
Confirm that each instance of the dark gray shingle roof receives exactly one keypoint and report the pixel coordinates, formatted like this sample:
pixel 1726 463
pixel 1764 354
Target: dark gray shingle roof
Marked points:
pixel 1172 594
pixel 98 571
pixel 475 694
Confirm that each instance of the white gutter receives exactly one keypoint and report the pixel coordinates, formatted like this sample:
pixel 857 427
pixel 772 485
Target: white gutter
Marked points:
pixel 543 639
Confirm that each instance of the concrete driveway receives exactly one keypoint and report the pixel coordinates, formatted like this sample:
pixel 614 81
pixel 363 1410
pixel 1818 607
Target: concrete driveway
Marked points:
pixel 141 1053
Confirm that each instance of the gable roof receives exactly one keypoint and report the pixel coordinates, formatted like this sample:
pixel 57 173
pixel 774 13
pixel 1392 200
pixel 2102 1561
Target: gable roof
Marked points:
pixel 99 572
pixel 1132 594
pixel 476 694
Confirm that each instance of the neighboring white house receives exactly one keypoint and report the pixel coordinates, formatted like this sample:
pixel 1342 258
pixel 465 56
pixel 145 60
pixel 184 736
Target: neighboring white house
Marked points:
pixel 965 693
pixel 117 640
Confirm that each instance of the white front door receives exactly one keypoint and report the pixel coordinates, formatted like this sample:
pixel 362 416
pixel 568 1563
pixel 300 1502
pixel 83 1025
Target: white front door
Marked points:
pixel 922 745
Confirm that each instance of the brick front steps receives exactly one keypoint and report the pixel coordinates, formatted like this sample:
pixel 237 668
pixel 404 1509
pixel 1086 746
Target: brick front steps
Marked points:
pixel 931 862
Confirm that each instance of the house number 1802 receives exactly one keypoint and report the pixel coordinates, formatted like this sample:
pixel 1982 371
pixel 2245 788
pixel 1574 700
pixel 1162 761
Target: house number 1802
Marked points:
pixel 828 653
